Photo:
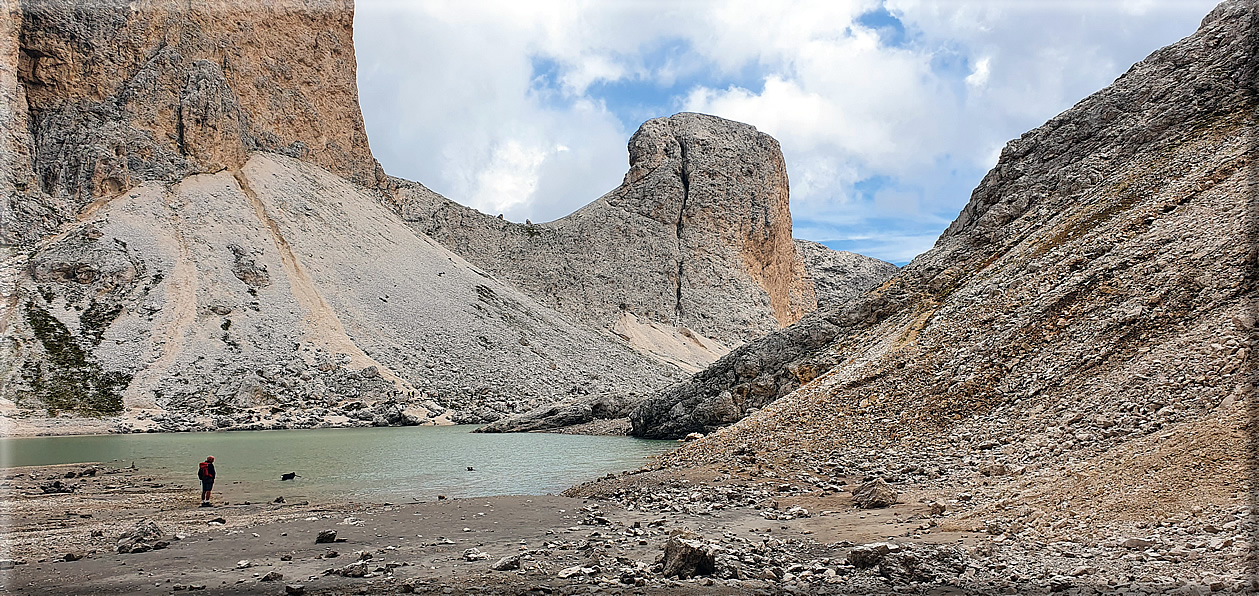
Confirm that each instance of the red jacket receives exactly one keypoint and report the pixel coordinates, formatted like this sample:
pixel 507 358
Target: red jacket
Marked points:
pixel 205 470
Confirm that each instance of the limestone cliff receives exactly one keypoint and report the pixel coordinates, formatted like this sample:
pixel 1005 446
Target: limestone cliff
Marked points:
pixel 101 96
pixel 1103 270
pixel 279 295
pixel 839 276
pixel 697 238
pixel 194 241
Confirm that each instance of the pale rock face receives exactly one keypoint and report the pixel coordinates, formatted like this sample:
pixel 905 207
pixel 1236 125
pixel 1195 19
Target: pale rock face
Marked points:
pixel 106 95
pixel 1104 266
pixel 170 272
pixel 199 237
pixel 281 295
pixel 839 276
pixel 697 237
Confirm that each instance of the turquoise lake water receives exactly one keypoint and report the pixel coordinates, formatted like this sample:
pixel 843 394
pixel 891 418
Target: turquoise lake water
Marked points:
pixel 367 464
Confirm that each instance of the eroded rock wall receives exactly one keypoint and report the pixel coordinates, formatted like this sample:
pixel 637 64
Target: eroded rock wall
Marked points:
pixel 104 95
pixel 840 276
pixel 698 236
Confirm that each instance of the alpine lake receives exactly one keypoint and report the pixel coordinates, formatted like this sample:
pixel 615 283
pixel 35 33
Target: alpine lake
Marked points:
pixel 398 464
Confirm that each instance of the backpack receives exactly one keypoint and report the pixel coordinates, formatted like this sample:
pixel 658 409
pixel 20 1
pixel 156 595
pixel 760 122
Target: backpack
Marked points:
pixel 203 470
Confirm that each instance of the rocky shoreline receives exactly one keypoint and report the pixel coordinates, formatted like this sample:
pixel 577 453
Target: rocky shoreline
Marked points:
pixel 740 530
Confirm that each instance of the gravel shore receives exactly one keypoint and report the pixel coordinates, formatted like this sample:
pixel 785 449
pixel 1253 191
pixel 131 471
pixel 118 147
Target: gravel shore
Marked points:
pixel 731 531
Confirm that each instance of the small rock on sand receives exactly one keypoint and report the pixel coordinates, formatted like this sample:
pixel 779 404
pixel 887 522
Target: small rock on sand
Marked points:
pixel 326 536
pixel 573 571
pixel 508 563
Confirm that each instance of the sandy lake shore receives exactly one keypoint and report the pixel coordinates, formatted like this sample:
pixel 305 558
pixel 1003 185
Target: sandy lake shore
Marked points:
pixel 565 544
pixel 764 536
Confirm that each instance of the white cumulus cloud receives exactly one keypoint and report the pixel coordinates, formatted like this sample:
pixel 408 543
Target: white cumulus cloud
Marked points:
pixel 888 112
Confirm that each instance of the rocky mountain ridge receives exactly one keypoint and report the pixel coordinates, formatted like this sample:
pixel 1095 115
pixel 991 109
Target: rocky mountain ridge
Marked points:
pixel 254 299
pixel 1067 377
pixel 197 236
pixel 700 231
pixel 840 276
pixel 1067 242
pixel 1072 361
pixel 161 267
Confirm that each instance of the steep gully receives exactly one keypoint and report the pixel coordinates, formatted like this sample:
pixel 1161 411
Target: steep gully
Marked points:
pixel 686 194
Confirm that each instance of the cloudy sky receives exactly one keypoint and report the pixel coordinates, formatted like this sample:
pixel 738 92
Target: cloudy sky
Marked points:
pixel 888 112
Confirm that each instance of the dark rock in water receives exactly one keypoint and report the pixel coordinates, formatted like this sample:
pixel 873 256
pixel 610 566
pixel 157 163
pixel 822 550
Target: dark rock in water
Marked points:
pixel 760 372
pixel 286 557
pixel 278 500
pixel 686 555
pixel 295 589
pixel 874 494
pixel 288 476
pixel 326 536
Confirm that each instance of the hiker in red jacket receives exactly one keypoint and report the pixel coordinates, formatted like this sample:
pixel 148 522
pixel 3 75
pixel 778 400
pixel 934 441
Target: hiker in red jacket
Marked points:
pixel 206 473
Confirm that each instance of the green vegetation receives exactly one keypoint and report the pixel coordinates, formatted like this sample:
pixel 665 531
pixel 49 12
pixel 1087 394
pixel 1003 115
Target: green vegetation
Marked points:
pixel 68 379
pixel 96 319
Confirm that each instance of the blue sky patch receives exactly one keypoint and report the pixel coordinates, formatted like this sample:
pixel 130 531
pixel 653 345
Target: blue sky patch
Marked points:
pixel 891 30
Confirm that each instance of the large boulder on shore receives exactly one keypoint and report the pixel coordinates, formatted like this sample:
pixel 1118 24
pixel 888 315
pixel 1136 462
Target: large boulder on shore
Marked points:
pixel 687 555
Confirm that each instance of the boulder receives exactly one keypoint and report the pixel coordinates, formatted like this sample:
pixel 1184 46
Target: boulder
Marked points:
pixel 574 571
pixel 687 555
pixel 326 536
pixel 355 569
pixel 922 564
pixel 874 494
pixel 507 563
pixel 868 555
